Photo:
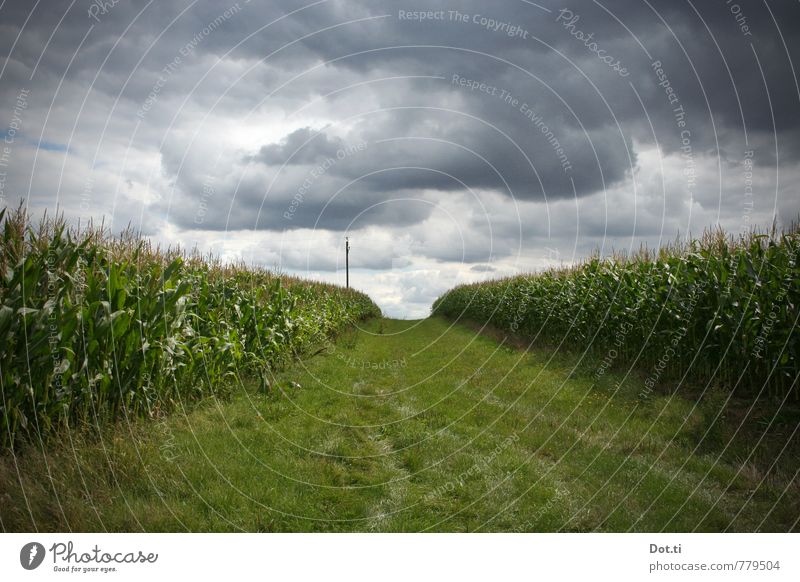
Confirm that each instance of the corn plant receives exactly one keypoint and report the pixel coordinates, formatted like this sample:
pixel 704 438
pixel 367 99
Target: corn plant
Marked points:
pixel 717 309
pixel 94 327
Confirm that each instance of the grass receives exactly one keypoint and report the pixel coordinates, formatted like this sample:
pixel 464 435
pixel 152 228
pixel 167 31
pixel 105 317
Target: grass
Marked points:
pixel 423 426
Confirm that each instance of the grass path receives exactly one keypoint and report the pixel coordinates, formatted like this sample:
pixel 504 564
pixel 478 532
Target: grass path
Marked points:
pixel 416 426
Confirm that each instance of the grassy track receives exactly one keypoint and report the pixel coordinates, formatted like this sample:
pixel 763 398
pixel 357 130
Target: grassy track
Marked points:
pixel 417 425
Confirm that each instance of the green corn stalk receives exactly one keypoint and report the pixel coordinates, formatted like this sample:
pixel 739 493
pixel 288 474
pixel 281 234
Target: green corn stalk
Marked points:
pixel 93 328
pixel 724 310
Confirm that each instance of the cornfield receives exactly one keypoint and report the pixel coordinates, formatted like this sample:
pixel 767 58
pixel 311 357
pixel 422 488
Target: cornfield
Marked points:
pixel 93 327
pixel 719 310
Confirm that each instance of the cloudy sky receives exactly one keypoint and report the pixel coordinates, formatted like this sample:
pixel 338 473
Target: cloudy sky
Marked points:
pixel 450 141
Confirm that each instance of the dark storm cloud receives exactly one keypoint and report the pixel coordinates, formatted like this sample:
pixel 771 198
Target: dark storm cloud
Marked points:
pixel 301 146
pixel 592 118
pixel 262 202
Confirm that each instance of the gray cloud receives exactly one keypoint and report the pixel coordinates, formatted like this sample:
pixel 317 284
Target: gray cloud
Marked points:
pixel 303 145
pixel 483 269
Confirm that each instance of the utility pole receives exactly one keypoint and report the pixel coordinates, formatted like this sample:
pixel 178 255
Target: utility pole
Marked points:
pixel 347 260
